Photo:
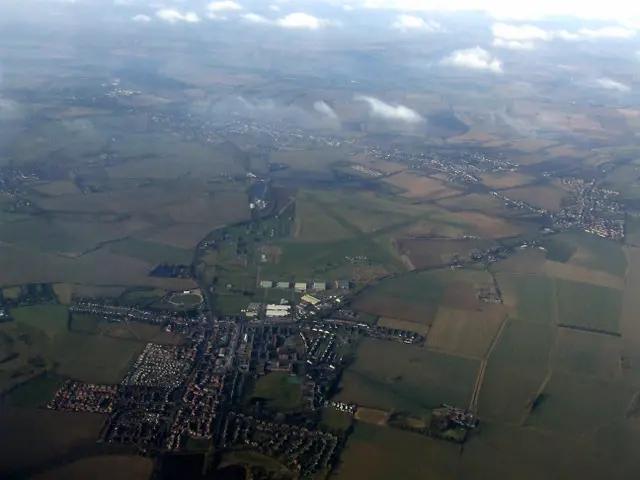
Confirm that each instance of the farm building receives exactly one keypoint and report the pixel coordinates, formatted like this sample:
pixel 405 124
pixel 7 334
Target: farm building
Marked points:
pixel 319 286
pixel 283 285
pixel 266 284
pixel 300 286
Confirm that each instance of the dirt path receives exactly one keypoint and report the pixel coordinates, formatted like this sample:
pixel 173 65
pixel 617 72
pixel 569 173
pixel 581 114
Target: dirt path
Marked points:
pixel 473 405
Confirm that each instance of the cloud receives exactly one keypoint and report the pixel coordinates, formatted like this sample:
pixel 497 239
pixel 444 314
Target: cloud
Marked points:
pixel 607 32
pixel 141 18
pixel 255 18
pixel 610 84
pixel 526 37
pixel 473 58
pixel 224 6
pixel 619 10
pixel 174 16
pixel 409 22
pixel 380 109
pixel 325 109
pixel 301 21
pixel 518 37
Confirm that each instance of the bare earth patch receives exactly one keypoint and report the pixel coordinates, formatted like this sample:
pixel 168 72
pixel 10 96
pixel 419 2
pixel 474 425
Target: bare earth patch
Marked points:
pixel 419 186
pixel 371 415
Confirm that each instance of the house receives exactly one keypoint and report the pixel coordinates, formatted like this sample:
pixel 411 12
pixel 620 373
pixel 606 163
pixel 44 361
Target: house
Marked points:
pixel 319 286
pixel 266 284
pixel 300 286
pixel 310 299
pixel 342 284
pixel 283 285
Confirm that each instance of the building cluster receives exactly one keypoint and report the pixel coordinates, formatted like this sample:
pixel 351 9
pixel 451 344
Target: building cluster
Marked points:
pixel 451 423
pixel 347 328
pixel 161 365
pixel 593 209
pixel 74 396
pixel 304 451
pixel 316 286
pixel 118 313
pixel 366 170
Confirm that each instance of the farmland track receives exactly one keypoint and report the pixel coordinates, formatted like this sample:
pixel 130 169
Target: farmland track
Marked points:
pixel 473 405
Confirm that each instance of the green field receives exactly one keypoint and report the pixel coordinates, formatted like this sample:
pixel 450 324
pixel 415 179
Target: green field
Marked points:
pixel 516 370
pixel 187 300
pixel 35 393
pixel 42 341
pixel 535 296
pixel 395 376
pixel 589 306
pixel 576 404
pixel 412 297
pixel 558 250
pixel 383 453
pixel 152 252
pixel 335 420
pixel 281 390
pixel 589 251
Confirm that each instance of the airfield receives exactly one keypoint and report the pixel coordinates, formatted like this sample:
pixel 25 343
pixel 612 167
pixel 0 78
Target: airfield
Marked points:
pixel 534 329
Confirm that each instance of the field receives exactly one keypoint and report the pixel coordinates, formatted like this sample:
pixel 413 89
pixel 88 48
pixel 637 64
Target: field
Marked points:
pixel 103 468
pixel 186 300
pixel 588 306
pixel 393 376
pixel 465 332
pixel 134 331
pixel 505 179
pixel 415 186
pixel 417 296
pixel 335 420
pixel 40 435
pixel 516 369
pixel 544 196
pixel 41 341
pixel 425 253
pixel 151 252
pixel 399 324
pixel 370 415
pixel 281 390
pixel 413 456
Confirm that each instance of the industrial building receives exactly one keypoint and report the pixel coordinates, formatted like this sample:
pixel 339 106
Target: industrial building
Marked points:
pixel 266 284
pixel 278 310
pixel 300 286
pixel 310 299
pixel 319 286
pixel 342 284
pixel 284 285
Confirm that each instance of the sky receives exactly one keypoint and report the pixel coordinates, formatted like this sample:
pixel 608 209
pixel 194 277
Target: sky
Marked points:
pixel 501 28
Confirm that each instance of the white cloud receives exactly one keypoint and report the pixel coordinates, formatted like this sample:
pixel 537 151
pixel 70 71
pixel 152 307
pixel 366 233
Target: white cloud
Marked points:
pixel 610 84
pixel 224 6
pixel 274 8
pixel 141 18
pixel 380 109
pixel 607 32
pixel 406 22
pixel 175 16
pixel 474 58
pixel 619 10
pixel 518 37
pixel 325 109
pixel 301 20
pixel 254 18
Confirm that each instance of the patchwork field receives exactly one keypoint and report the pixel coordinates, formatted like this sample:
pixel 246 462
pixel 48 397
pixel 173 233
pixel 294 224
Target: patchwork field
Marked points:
pixel 415 186
pixel 503 180
pixel 40 435
pixel 544 196
pixel 103 468
pixel 394 376
pixel 414 457
pixel 424 253
pixel 464 332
